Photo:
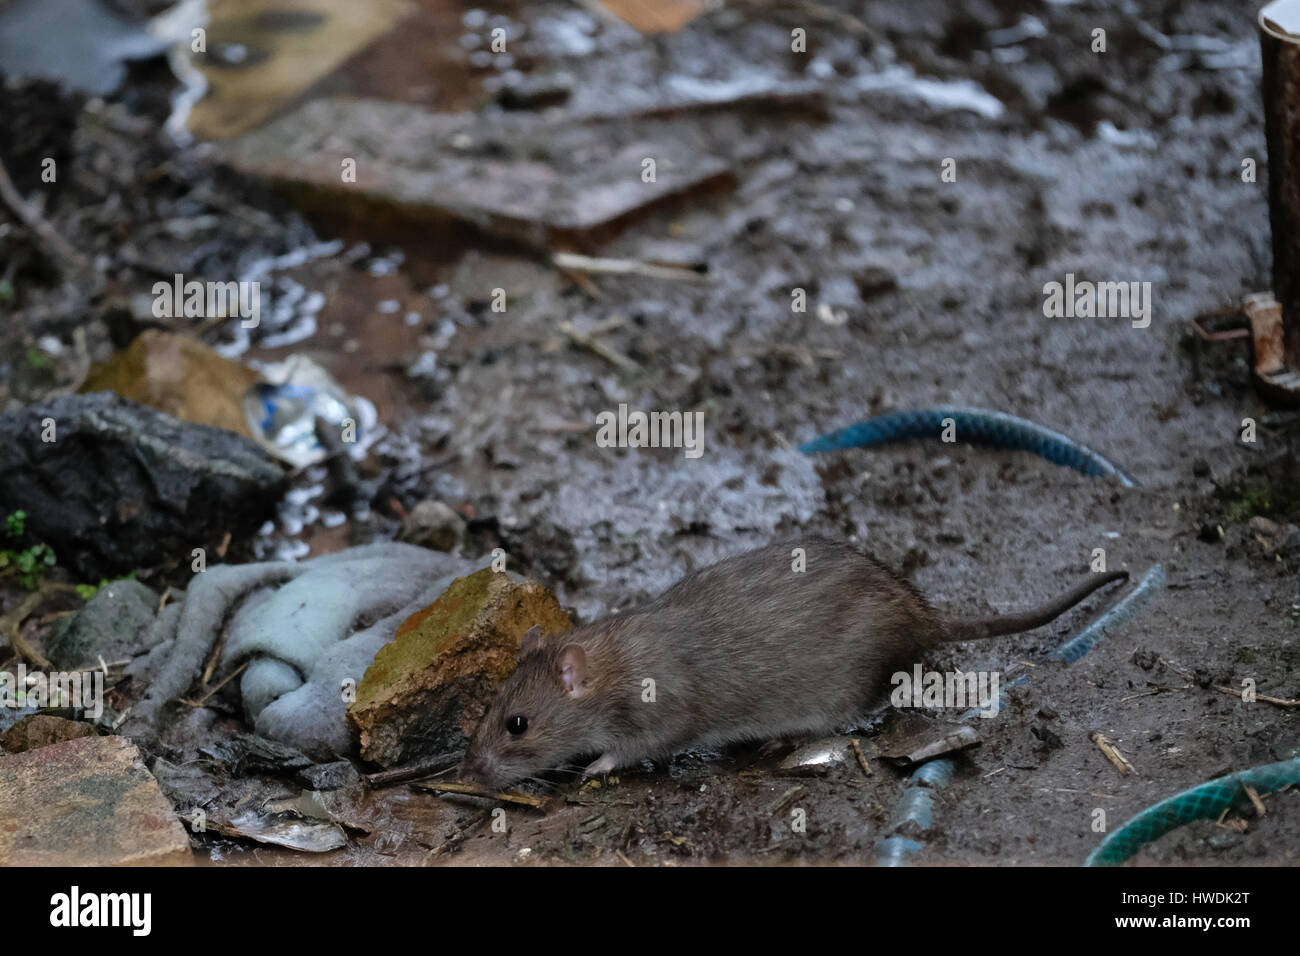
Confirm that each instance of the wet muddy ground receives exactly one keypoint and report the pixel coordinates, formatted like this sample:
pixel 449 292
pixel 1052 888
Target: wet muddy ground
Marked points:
pixel 1117 166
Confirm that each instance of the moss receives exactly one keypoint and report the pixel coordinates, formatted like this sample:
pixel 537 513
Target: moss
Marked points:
pixel 448 617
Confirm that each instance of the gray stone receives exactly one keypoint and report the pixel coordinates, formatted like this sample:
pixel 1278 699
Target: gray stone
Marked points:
pixel 116 624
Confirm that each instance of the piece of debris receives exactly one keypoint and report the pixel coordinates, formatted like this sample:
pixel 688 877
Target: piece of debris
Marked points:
pixel 429 687
pixel 791 795
pixel 856 746
pixel 284 411
pixel 570 260
pixel 299 824
pixel 178 375
pixel 433 524
pixel 517 177
pixel 818 756
pixel 654 16
pixel 909 738
pixel 86 802
pixel 1273 378
pixel 1275 538
pixel 41 730
pixel 415 770
pixel 113 486
pixel 466 789
pixel 1111 753
pixel 261 55
pixel 247 754
pixel 1275 701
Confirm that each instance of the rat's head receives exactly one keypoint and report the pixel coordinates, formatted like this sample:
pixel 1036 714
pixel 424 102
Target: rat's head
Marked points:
pixel 541 717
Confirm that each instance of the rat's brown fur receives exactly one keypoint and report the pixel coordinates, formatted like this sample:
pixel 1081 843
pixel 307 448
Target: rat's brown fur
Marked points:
pixel 746 649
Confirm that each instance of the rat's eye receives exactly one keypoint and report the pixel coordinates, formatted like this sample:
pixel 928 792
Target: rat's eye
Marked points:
pixel 516 725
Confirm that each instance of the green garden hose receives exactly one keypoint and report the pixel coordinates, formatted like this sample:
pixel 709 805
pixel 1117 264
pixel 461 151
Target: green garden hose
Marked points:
pixel 1203 802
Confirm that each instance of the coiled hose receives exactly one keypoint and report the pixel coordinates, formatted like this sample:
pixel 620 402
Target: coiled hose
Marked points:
pixel 1203 802
pixel 977 425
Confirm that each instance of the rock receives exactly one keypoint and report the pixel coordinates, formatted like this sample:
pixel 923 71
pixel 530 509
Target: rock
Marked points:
pixel 86 802
pixel 432 524
pixel 429 687
pixel 328 776
pixel 116 624
pixel 122 486
pixel 528 92
pixel 518 177
pixel 1275 538
pixel 178 375
pixel 41 730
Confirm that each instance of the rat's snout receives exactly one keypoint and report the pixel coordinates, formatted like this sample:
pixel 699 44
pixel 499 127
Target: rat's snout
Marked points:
pixel 477 768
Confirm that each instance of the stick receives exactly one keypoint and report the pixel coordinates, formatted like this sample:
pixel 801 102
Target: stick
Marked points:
pixel 571 260
pixel 524 799
pixel 1254 798
pixel 1275 701
pixel 54 243
pixel 794 793
pixel 591 345
pixel 415 770
pixel 1111 752
pixel 862 758
pixel 226 680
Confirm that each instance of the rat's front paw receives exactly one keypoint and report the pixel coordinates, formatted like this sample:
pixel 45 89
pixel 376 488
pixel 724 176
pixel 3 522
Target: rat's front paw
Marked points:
pixel 604 765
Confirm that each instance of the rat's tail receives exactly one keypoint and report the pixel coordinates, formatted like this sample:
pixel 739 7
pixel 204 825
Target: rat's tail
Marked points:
pixel 1015 623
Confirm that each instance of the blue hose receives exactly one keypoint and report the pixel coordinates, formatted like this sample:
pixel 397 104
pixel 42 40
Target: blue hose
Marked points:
pixel 975 425
pixel 1116 617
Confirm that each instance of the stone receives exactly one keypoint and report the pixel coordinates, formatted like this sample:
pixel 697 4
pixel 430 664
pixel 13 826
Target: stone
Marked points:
pixel 427 689
pixel 178 375
pixel 122 486
pixel 86 802
pixel 433 524
pixel 41 730
pixel 116 624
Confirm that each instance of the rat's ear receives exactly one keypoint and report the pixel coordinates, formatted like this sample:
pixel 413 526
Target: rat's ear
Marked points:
pixel 532 637
pixel 573 669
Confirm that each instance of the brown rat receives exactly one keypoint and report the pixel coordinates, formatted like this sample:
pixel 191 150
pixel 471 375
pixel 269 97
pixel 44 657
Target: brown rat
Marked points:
pixel 745 649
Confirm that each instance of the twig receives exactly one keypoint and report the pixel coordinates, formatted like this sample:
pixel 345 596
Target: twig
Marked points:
pixel 862 758
pixel 1111 752
pixel 582 282
pixel 226 680
pixel 523 799
pixel 416 770
pixel 602 351
pixel 571 260
pixel 794 793
pixel 55 244
pixel 1254 799
pixel 1275 701
pixel 13 621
